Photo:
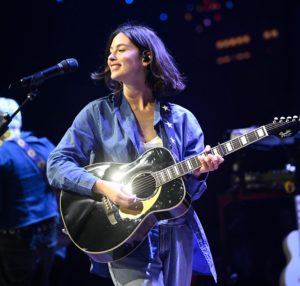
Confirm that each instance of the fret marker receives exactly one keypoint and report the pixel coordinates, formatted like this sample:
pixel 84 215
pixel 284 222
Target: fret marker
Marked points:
pixel 243 140
pixel 215 151
pixel 260 132
pixel 189 165
pixel 229 147
pixel 169 173
pixel 176 170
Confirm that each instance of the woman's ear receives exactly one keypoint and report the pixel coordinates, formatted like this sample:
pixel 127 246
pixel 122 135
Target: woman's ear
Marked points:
pixel 146 57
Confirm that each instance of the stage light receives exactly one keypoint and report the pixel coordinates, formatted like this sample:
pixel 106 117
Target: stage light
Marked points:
pixel 270 34
pixel 223 60
pixel 242 56
pixel 206 12
pixel 233 42
pixel 188 17
pixel 229 4
pixel 129 1
pixel 217 17
pixel 207 22
pixel 163 17
pixel 199 29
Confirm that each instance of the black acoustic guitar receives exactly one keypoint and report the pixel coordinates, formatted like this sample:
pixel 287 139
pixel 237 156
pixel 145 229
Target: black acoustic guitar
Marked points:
pixel 107 232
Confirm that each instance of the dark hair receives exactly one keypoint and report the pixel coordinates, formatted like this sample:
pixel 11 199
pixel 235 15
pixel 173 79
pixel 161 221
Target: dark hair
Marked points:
pixel 162 77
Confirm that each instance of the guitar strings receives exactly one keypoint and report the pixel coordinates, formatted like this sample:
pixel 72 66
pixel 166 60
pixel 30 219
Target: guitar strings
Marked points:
pixel 277 124
pixel 146 183
pixel 154 176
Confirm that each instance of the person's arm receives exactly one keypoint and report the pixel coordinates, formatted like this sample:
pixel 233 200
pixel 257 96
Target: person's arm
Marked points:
pixel 65 166
pixel 194 144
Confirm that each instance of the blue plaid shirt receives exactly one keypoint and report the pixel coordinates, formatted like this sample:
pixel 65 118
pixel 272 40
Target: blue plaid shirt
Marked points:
pixel 106 131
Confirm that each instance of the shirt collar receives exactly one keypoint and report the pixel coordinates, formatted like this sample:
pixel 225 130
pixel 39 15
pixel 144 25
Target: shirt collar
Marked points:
pixel 157 115
pixel 126 118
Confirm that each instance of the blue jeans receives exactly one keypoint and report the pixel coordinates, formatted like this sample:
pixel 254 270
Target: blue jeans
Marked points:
pixel 163 259
pixel 27 255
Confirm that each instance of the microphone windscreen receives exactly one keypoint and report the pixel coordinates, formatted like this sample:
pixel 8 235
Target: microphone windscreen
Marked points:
pixel 69 65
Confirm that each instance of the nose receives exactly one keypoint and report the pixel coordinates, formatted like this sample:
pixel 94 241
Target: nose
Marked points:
pixel 111 57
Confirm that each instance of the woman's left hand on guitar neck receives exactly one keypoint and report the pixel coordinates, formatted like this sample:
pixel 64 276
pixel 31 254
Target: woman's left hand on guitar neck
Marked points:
pixel 209 162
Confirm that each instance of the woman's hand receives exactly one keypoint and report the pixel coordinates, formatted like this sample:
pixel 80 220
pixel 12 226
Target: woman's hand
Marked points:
pixel 208 162
pixel 115 192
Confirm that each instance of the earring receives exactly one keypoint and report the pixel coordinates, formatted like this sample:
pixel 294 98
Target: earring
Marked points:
pixel 146 56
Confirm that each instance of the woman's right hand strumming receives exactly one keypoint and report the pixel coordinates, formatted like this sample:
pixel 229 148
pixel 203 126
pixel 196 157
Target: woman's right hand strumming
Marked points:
pixel 115 192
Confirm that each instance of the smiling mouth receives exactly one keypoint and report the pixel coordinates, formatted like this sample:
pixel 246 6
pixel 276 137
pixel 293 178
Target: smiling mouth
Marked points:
pixel 113 67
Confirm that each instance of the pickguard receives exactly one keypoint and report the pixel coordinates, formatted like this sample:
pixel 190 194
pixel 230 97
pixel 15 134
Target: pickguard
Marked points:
pixel 141 208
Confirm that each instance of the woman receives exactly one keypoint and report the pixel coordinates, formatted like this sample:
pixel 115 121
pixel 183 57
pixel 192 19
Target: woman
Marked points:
pixel 134 118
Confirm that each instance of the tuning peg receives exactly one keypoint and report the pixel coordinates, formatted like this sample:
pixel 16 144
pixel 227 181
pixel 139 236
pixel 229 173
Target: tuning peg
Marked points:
pixel 289 118
pixel 275 120
pixel 295 117
pixel 282 118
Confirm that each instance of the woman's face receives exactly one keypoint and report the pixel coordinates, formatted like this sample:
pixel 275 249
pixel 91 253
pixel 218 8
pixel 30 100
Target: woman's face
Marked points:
pixel 125 61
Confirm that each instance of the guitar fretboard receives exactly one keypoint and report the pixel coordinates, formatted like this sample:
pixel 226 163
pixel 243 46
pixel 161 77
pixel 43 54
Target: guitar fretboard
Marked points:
pixel 184 167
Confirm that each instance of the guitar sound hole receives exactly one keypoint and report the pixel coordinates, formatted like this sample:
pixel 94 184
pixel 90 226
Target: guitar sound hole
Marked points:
pixel 143 185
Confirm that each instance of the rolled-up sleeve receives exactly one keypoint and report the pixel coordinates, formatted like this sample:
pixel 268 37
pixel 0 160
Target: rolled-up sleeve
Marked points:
pixel 193 145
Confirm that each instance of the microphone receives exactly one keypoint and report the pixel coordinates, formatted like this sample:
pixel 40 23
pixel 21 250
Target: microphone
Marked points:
pixel 35 80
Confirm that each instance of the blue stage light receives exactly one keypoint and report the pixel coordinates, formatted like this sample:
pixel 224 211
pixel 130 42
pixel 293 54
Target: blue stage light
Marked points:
pixel 229 4
pixel 163 16
pixel 129 2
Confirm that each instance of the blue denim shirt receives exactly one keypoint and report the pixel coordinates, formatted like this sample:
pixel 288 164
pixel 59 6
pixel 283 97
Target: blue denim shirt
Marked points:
pixel 25 196
pixel 106 131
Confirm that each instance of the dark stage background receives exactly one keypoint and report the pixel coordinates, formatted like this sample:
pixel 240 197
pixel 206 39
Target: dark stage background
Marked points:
pixel 241 60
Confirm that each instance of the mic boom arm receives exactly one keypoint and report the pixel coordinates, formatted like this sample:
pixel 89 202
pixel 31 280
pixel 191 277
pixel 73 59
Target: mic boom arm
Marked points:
pixel 35 80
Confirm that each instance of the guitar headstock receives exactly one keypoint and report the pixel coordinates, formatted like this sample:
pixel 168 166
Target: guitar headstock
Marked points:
pixel 284 126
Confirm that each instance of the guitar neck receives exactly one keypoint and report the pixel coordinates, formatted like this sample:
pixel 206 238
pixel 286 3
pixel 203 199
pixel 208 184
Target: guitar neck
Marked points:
pixel 184 167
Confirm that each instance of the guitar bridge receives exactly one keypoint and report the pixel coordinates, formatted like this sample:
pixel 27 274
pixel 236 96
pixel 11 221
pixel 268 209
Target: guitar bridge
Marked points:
pixel 109 211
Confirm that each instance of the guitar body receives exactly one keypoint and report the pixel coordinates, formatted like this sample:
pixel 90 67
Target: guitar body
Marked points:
pixel 291 274
pixel 106 232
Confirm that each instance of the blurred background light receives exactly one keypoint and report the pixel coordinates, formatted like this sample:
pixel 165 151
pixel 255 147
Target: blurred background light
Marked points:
pixel 129 1
pixel 163 17
pixel 229 5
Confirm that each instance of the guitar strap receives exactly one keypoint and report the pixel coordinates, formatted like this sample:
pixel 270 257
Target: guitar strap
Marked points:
pixel 38 160
pixel 167 119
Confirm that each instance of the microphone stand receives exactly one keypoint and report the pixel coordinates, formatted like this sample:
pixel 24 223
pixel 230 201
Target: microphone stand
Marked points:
pixel 8 118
